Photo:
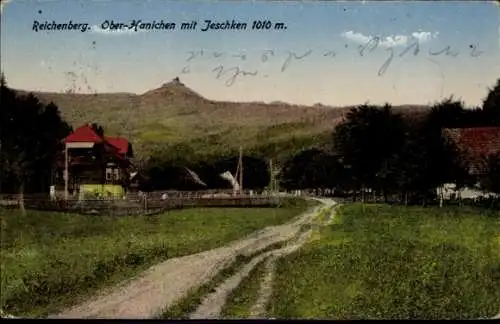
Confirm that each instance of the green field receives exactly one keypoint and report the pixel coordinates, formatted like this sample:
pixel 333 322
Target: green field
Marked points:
pixel 395 263
pixel 51 260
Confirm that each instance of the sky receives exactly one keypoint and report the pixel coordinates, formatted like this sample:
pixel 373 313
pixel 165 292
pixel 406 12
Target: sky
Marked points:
pixel 328 52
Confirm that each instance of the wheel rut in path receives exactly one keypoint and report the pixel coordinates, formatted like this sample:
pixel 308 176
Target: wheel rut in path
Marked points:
pixel 258 310
pixel 213 303
pixel 162 285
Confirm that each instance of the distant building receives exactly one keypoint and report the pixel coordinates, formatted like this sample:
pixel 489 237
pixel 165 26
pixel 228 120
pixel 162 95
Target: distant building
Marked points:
pixel 98 165
pixel 475 145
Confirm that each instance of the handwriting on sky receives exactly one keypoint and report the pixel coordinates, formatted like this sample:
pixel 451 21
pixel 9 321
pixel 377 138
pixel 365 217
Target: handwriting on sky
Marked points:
pixel 285 60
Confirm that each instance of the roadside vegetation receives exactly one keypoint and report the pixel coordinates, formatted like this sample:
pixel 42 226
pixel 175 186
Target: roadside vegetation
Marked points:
pixel 387 262
pixel 51 260
pixel 240 302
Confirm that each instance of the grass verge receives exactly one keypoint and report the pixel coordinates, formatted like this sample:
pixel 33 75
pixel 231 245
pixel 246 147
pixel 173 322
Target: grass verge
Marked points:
pixel 240 302
pixel 392 262
pixel 188 304
pixel 53 260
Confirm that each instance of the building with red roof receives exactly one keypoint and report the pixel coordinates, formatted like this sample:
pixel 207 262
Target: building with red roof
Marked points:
pixel 121 143
pixel 95 159
pixel 475 144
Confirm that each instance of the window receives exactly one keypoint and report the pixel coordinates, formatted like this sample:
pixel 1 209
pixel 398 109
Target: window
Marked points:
pixel 109 175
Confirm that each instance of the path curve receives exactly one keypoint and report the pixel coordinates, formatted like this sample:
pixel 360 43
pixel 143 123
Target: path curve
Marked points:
pixel 258 310
pixel 212 304
pixel 164 284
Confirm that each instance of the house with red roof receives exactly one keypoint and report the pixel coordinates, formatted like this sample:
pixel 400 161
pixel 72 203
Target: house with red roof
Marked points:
pixel 97 163
pixel 475 145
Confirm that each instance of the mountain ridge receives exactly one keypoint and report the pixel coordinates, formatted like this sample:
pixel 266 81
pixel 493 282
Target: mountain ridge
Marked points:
pixel 175 115
pixel 176 84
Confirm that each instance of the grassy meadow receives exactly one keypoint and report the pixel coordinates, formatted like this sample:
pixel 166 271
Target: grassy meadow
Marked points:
pixel 52 260
pixel 388 262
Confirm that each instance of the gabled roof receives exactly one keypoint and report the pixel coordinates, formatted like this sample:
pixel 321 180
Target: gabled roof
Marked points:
pixel 119 142
pixel 83 134
pixel 86 133
pixel 114 145
pixel 476 143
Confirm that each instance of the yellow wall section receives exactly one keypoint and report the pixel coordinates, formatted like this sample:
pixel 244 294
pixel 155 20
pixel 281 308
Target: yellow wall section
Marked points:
pixel 102 190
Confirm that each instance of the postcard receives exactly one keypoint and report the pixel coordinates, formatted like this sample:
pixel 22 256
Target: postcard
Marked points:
pixel 263 159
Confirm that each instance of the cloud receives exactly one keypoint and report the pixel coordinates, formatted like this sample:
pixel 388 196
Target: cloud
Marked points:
pixel 114 32
pixel 393 41
pixel 424 36
pixel 355 37
pixel 390 41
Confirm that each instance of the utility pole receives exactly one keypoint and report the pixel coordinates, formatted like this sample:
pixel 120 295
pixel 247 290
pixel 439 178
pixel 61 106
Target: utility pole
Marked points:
pixel 66 173
pixel 240 163
pixel 238 176
pixel 271 173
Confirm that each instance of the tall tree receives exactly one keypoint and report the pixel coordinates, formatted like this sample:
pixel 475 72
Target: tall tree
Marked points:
pixel 366 141
pixel 30 137
pixel 429 160
pixel 7 98
pixel 444 158
pixel 303 170
pixel 491 104
pixel 448 113
pixel 491 180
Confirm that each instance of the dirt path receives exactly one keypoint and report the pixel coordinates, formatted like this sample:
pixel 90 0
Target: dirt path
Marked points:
pixel 212 305
pixel 259 309
pixel 163 284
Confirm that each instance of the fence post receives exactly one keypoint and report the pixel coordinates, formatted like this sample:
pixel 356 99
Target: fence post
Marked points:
pixel 145 202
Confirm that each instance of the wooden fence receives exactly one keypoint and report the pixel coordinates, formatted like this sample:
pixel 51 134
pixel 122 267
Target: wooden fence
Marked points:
pixel 140 204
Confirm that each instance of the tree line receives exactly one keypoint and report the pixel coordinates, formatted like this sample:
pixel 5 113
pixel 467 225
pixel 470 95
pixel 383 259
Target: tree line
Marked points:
pixel 373 149
pixel 377 150
pixel 31 135
pixel 165 173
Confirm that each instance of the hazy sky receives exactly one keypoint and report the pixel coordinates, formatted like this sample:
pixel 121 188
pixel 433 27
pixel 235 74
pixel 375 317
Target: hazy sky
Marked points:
pixel 327 34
